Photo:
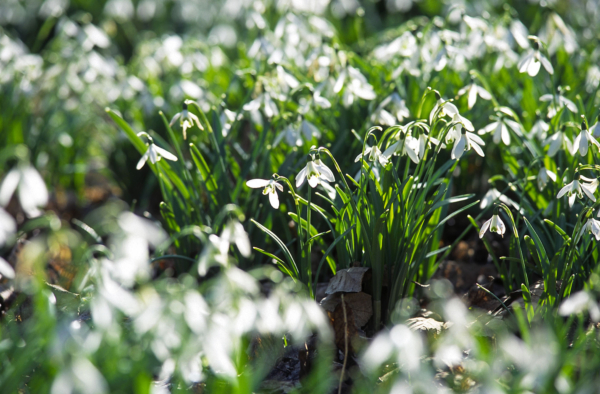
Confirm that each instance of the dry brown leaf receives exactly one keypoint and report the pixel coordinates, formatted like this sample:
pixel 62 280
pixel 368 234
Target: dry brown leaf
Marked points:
pixel 360 304
pixel 339 326
pixel 347 280
pixel 426 324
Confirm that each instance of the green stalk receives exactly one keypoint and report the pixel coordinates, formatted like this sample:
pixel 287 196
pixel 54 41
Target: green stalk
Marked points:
pixel 307 272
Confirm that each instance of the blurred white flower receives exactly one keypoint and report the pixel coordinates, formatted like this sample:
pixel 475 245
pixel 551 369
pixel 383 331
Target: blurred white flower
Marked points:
pixel 473 90
pixel 539 129
pixel 595 129
pixel 8 226
pixel 397 111
pixel 6 270
pixel 577 189
pixel 186 120
pixel 532 61
pixel 30 187
pixel 354 85
pixel 316 172
pixel 583 140
pixel 265 101
pixel 155 153
pixel 500 130
pixel 543 176
pixel 558 101
pixel 494 224
pixel 558 140
pixel 270 188
pixel 582 300
pixel 217 248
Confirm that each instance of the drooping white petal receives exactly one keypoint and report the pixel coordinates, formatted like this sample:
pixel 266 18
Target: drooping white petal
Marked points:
pixel 274 199
pixel 257 183
pixel 459 148
pixel 325 172
pixel 547 65
pixel 485 227
pixel 484 94
pixel 564 190
pixel 142 161
pixel 533 68
pixel 9 185
pixel 472 96
pixel 313 181
pixel 301 177
pixel 165 153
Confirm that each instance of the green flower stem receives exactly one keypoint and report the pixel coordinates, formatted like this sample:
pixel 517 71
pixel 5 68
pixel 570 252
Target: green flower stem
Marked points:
pixel 307 271
pixel 515 231
pixel 211 134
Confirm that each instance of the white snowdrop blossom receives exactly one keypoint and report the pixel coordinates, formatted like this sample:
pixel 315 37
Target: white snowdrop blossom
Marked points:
pixel 539 129
pixel 396 113
pixel 373 153
pixel 154 153
pixel 473 90
pixel 467 141
pixel 583 140
pixel 286 81
pixel 500 129
pixel 30 187
pixel 217 247
pixel 270 187
pixel 558 101
pixel 186 120
pixel 494 224
pixel 354 85
pixel 293 133
pixel 591 226
pixel 557 141
pixel 543 176
pixel 532 61
pixel 577 189
pixel 406 145
pixel 265 101
pixel 315 172
pixel 8 226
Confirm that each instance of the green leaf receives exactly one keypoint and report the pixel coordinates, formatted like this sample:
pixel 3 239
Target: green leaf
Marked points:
pixel 284 248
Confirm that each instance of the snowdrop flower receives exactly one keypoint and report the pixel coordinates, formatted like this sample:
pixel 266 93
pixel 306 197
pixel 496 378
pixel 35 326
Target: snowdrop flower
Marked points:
pixel 406 145
pixel 558 140
pixel 154 153
pixel 374 154
pixel 218 246
pixel 558 101
pixel 30 188
pixel 286 80
pixel 265 101
pixel 583 140
pixel 473 90
pixel 355 85
pixel 576 189
pixel 8 226
pixel 500 130
pixel 494 224
pixel 595 129
pixel 591 226
pixel 446 108
pixel 226 118
pixel 270 188
pixel 467 141
pixel 186 120
pixel 539 129
pixel 532 61
pixel 293 134
pixel 316 172
pixel 543 176
pixel 397 110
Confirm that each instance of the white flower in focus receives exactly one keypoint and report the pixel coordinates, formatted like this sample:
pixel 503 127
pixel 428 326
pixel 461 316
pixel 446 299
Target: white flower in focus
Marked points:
pixel 154 153
pixel 532 60
pixel 583 140
pixel 315 172
pixel 473 90
pixel 270 188
pixel 30 188
pixel 577 189
pixel 500 130
pixel 543 176
pixel 374 154
pixel 466 142
pixel 494 224
pixel 406 145
pixel 558 140
pixel 186 120
pixel 591 226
